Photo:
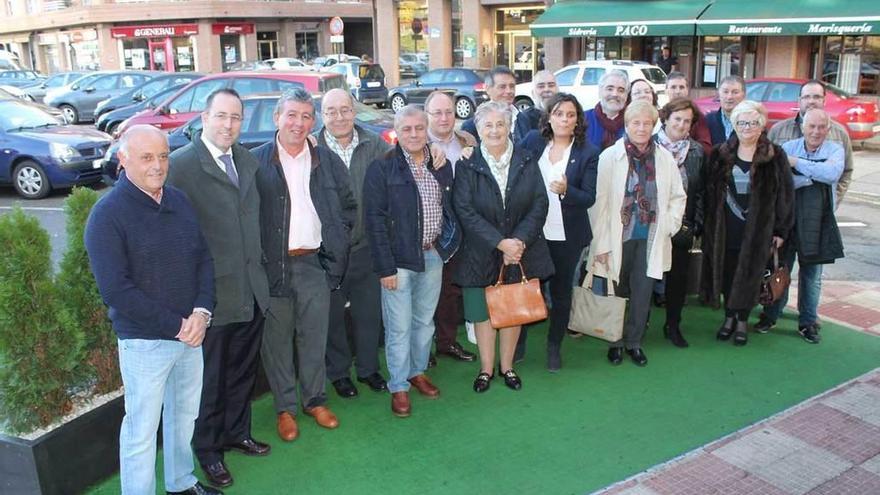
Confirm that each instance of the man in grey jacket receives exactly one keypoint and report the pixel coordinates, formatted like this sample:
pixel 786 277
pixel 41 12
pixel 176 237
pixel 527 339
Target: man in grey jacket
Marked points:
pixel 217 174
pixel 357 148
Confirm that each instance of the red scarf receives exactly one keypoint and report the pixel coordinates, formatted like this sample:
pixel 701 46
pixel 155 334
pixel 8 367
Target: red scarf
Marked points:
pixel 610 127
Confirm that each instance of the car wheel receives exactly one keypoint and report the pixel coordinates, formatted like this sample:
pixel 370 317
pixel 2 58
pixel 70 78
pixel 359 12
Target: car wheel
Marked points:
pixel 398 102
pixel 70 114
pixel 463 108
pixel 30 181
pixel 523 104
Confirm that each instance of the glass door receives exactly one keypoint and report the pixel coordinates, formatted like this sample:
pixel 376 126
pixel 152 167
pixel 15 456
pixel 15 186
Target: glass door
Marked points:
pixel 519 51
pixel 158 55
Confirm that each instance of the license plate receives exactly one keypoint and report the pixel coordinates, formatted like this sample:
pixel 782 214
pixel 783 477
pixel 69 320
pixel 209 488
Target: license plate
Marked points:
pixel 876 129
pixel 97 163
pixel 374 84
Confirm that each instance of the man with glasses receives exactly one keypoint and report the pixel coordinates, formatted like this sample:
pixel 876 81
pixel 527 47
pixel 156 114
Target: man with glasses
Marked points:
pixel 357 148
pixel 217 174
pixel 812 95
pixel 731 91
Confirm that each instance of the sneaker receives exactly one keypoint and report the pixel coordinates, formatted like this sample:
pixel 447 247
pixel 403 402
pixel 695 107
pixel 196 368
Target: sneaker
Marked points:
pixel 764 324
pixel 810 333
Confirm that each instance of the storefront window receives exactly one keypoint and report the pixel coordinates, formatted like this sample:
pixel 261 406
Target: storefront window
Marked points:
pixel 136 54
pixel 413 18
pixel 607 48
pixel 267 42
pixel 307 45
pixel 514 45
pixel 457 49
pixel 183 54
pixel 85 55
pixel 853 63
pixel 230 46
pixel 722 57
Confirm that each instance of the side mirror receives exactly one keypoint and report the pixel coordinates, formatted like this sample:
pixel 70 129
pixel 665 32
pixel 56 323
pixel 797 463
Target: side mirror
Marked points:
pixel 418 82
pixel 138 97
pixel 90 89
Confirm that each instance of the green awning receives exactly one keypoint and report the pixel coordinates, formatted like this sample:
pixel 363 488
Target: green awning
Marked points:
pixel 619 18
pixel 790 17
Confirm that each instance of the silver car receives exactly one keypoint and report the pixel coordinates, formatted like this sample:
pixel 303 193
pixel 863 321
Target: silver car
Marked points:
pixel 38 90
pixel 78 99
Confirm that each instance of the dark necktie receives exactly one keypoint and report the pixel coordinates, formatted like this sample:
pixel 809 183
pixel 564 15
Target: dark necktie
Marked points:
pixel 230 169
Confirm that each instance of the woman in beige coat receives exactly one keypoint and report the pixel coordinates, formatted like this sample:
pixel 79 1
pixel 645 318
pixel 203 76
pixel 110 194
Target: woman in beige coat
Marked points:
pixel 639 205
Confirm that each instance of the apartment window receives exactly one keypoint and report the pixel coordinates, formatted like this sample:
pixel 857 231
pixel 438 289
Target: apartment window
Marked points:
pixel 9 8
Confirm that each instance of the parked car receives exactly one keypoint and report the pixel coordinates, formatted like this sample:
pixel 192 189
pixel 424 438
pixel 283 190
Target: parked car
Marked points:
pixel 9 60
pixel 38 154
pixel 20 78
pixel 332 59
pixel 367 81
pixel 248 65
pixel 109 121
pixel 191 99
pixel 466 86
pixel 582 80
pixel 411 66
pixel 258 127
pixel 16 94
pixel 38 89
pixel 286 63
pixel 145 91
pixel 780 97
pixel 79 99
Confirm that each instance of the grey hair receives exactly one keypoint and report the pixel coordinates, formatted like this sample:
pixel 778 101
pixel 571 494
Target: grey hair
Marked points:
pixel 135 131
pixel 299 95
pixel 817 110
pixel 409 111
pixel 640 108
pixel 485 109
pixel 615 73
pixel 748 106
pixel 734 79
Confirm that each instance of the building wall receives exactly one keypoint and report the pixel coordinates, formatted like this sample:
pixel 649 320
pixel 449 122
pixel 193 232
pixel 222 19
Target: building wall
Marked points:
pixel 779 56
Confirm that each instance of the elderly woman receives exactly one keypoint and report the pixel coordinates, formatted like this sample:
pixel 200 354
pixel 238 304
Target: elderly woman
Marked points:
pixel 677 117
pixel 748 207
pixel 501 203
pixel 568 166
pixel 639 207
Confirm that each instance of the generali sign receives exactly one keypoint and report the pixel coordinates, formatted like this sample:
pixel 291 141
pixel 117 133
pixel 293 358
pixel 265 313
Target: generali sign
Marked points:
pixel 159 31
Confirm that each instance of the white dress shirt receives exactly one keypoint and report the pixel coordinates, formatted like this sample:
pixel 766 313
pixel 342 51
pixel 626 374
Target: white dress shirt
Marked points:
pixel 305 227
pixel 554 229
pixel 216 153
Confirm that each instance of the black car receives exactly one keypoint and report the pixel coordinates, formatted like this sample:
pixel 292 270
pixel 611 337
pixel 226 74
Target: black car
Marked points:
pixel 466 86
pixel 258 127
pixel 144 91
pixel 109 121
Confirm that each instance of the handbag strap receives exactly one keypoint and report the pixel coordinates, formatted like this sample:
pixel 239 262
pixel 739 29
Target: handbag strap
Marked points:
pixel 775 252
pixel 501 274
pixel 588 283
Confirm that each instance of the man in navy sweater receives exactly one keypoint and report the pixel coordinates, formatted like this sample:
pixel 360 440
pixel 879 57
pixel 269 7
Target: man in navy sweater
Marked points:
pixel 155 272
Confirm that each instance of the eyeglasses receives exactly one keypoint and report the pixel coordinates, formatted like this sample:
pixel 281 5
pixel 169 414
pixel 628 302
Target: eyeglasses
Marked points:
pixel 748 124
pixel 222 116
pixel 441 113
pixel 813 97
pixel 333 113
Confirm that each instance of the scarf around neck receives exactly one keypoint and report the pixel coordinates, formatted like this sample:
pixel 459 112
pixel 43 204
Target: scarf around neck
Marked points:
pixel 610 127
pixel 679 150
pixel 641 191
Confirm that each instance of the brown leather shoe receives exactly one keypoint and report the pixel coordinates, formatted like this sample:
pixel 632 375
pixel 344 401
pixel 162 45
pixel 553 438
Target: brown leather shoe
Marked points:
pixel 287 428
pixel 400 405
pixel 423 384
pixel 323 416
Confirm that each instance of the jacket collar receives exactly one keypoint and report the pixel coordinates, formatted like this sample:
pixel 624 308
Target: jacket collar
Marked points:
pixel 362 134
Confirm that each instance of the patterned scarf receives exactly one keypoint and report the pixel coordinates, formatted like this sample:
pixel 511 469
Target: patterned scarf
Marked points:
pixel 641 187
pixel 679 150
pixel 610 127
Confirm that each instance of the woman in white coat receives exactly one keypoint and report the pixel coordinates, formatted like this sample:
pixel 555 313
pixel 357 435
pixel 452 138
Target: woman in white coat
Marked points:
pixel 639 205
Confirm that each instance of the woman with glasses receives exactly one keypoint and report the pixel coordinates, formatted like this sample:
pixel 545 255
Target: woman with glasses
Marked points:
pixel 748 207
pixel 568 166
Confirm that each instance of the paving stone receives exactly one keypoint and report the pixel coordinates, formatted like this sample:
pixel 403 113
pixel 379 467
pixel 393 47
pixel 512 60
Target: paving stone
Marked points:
pixel 855 481
pixel 872 465
pixel 835 431
pixel 637 490
pixel 864 298
pixel 860 400
pixel 851 314
pixel 707 473
pixel 759 448
pixel 837 290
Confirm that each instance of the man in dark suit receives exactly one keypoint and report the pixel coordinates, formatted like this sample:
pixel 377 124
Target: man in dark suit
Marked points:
pixel 217 174
pixel 731 92
pixel 543 88
pixel 500 86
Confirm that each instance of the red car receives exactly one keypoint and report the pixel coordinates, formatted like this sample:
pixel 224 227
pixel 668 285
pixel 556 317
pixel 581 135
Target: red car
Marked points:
pixel 190 100
pixel 780 97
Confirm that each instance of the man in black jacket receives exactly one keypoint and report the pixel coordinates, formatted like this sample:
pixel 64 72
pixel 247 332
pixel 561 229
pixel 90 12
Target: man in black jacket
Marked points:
pixel 731 91
pixel 217 174
pixel 306 215
pixel 543 88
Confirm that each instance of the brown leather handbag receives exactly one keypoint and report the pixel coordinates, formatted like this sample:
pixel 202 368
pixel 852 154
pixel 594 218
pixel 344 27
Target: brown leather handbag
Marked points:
pixel 775 282
pixel 515 304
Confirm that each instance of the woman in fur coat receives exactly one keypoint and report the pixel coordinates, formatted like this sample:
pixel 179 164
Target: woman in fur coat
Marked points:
pixel 749 199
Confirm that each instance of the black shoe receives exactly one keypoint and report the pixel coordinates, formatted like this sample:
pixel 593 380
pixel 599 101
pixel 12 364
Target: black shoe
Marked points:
pixel 554 358
pixel 638 357
pixel 740 334
pixel 249 446
pixel 432 361
pixel 764 324
pixel 482 382
pixel 198 489
pixel 659 300
pixel 217 474
pixel 511 379
pixel 457 352
pixel 345 388
pixel 615 355
pixel 375 382
pixel 810 333
pixel 673 333
pixel 726 329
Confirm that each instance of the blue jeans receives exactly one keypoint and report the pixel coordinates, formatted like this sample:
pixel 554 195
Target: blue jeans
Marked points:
pixel 408 314
pixel 161 377
pixel 809 291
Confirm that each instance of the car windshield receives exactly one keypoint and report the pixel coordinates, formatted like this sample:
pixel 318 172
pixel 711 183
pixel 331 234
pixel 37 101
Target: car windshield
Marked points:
pixel 15 116
pixel 654 75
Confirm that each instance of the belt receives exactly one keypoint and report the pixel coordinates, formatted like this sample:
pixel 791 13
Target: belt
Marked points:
pixel 301 252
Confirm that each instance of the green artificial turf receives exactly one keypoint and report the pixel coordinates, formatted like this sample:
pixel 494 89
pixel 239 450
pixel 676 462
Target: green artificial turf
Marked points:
pixel 577 431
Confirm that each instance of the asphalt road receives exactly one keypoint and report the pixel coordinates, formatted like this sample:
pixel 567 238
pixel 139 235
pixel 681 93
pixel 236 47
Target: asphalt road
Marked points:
pixel 857 216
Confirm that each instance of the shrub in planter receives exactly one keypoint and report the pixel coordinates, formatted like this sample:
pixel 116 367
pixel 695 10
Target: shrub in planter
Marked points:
pixel 38 360
pixel 80 303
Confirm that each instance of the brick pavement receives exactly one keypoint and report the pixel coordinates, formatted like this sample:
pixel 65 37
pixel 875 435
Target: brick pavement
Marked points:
pixel 829 444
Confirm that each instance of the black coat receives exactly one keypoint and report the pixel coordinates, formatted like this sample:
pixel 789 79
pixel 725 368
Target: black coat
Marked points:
pixel 770 213
pixel 486 220
pixel 816 233
pixel 330 189
pixel 527 121
pixel 580 172
pixel 692 222
pixel 716 127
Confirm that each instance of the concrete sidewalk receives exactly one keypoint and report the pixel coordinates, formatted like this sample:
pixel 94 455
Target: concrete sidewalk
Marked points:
pixel 829 444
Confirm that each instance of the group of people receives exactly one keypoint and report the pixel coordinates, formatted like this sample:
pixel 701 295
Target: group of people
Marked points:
pixel 304 252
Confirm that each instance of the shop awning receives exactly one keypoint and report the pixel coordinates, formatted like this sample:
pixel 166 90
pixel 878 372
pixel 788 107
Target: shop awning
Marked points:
pixel 619 18
pixel 790 17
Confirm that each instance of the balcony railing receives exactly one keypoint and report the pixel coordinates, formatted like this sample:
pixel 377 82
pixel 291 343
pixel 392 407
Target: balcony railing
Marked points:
pixel 53 5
